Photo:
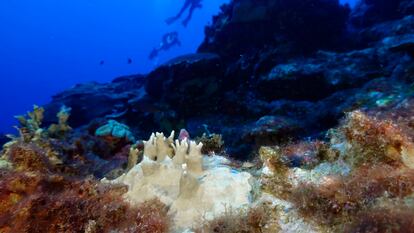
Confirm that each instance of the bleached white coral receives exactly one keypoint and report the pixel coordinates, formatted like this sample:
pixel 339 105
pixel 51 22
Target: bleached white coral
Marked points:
pixel 194 159
pixel 180 150
pixel 195 187
pixel 157 148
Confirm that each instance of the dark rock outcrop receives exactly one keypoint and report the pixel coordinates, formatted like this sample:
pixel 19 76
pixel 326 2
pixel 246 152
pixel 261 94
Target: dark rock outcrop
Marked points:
pixel 194 80
pixel 268 72
pixel 320 76
pixel 94 100
pixel 304 26
pixel 370 12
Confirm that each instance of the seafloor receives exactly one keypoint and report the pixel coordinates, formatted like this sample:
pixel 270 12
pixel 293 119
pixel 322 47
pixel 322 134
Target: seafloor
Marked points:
pixel 293 116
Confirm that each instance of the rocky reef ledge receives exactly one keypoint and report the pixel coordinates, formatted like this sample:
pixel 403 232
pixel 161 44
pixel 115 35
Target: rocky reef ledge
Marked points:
pixel 293 78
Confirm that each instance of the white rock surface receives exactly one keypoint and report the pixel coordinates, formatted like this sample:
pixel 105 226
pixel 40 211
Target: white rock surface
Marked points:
pixel 318 174
pixel 289 220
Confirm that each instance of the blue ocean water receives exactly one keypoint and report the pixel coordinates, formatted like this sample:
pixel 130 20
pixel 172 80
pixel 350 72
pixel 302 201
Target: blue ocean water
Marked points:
pixel 47 46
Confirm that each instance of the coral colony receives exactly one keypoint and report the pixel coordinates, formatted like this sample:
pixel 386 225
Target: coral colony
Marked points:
pixel 294 116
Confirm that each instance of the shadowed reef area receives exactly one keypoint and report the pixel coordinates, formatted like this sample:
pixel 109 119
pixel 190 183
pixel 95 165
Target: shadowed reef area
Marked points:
pixel 268 71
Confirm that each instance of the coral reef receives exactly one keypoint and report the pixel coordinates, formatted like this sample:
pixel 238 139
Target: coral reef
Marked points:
pixel 47 185
pixel 113 139
pixel 360 181
pixel 60 149
pixel 193 186
pixel 381 169
pixel 266 90
pixel 31 129
pixel 133 157
pixel 114 129
pixel 340 199
pixel 315 105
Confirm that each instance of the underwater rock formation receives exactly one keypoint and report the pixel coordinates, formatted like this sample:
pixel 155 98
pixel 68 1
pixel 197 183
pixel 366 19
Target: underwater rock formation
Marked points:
pixel 362 181
pixel 245 26
pixel 58 149
pixel 319 98
pixel 369 12
pixel 241 88
pixel 101 100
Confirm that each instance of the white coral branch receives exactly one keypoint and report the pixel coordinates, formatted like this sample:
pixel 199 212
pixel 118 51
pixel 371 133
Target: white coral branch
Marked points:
pixel 180 150
pixel 194 159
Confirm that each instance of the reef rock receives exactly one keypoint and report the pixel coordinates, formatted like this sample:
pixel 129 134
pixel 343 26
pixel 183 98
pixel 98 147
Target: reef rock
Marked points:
pixel 369 12
pixel 306 63
pixel 94 100
pixel 245 25
pixel 321 76
pixel 277 75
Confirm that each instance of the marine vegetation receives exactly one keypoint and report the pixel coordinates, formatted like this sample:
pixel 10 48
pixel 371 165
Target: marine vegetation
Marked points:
pixel 381 178
pixel 37 202
pixel 61 129
pixel 252 220
pixel 212 143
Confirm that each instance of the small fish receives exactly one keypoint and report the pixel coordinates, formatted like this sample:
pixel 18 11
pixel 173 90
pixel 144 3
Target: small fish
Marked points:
pixel 129 61
pixel 101 62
